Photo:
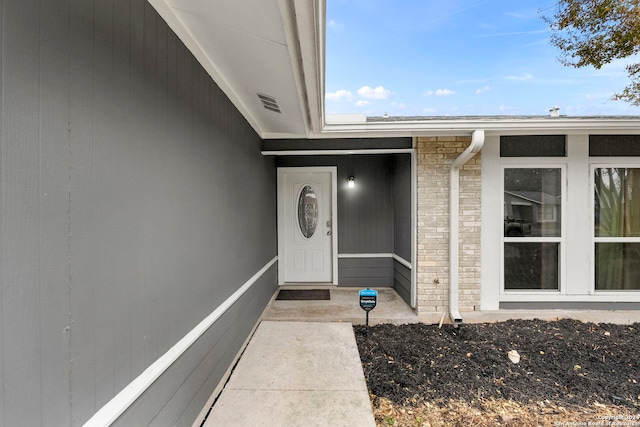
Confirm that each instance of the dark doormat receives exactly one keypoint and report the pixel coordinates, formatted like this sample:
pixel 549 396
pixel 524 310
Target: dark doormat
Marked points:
pixel 304 294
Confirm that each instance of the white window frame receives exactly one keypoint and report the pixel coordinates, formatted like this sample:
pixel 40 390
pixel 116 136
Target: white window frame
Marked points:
pixel 597 163
pixel 535 163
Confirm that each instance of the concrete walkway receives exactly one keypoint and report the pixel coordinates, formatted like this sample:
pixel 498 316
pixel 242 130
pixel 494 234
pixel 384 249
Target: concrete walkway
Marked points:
pixel 296 374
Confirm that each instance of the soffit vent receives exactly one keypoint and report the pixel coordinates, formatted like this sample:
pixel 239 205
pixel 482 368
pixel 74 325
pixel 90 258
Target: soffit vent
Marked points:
pixel 269 102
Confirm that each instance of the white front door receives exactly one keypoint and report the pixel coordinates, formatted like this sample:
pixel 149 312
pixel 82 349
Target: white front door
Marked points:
pixel 305 224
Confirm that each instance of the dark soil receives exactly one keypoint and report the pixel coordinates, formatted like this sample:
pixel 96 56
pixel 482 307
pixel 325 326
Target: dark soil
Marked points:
pixel 566 362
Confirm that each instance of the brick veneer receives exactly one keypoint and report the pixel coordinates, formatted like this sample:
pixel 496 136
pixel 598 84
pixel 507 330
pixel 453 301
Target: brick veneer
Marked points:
pixel 434 158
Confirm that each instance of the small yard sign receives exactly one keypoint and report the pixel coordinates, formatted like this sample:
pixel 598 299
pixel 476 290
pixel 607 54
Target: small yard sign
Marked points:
pixel 368 300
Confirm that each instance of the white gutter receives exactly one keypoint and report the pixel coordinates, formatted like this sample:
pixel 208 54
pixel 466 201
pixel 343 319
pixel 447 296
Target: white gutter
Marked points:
pixel 477 142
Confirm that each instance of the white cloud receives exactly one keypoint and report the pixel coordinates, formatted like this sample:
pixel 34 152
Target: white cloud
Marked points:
pixel 439 92
pixel 362 103
pixel 339 95
pixel 378 92
pixel 483 90
pixel 398 105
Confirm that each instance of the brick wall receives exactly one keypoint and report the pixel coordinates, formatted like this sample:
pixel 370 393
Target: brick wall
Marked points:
pixel 434 158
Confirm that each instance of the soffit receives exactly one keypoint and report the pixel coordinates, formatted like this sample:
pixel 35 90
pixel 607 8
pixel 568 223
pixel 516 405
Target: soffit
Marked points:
pixel 244 47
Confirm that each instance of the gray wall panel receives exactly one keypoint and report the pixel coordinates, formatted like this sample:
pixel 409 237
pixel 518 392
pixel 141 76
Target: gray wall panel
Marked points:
pixel 54 210
pixel 21 205
pixel 402 206
pixel 211 355
pixel 365 272
pixel 129 183
pixel 402 281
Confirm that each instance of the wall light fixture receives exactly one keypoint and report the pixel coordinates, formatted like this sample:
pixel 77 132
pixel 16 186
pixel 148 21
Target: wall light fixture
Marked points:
pixel 351 182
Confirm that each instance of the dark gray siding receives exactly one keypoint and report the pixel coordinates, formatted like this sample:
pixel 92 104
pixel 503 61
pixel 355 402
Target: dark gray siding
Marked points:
pixel 402 281
pixel 365 272
pixel 173 400
pixel 128 187
pixel 402 206
pixel 402 224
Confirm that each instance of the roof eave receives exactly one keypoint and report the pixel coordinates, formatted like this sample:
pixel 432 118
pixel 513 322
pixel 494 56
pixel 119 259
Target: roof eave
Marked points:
pixel 464 127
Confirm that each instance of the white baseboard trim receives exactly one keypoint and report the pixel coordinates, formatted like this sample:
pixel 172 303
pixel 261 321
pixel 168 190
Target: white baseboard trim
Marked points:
pixel 120 402
pixel 379 255
pixel 375 255
pixel 402 261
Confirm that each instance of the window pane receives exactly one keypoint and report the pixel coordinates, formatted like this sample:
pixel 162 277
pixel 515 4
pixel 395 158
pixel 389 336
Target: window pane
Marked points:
pixel 531 265
pixel 617 266
pixel 614 145
pixel 617 202
pixel 532 202
pixel 533 146
pixel 307 211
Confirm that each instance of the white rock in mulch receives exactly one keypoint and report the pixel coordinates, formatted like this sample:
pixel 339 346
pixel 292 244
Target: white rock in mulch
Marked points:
pixel 514 356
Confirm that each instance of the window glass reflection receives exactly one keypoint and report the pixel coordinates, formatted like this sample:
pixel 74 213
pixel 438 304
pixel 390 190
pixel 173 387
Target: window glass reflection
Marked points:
pixel 617 202
pixel 532 202
pixel 307 211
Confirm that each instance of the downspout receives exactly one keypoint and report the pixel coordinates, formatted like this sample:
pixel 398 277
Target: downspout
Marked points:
pixel 477 142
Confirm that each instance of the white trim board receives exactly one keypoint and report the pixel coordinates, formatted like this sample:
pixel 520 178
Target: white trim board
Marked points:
pixel 379 255
pixel 366 255
pixel 127 396
pixel 414 226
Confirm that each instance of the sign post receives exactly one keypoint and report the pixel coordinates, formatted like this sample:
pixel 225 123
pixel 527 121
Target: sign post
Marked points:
pixel 368 300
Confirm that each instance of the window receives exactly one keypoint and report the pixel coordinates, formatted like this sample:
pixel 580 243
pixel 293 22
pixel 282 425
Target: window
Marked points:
pixel 617 228
pixel 307 211
pixel 614 145
pixel 532 228
pixel 533 146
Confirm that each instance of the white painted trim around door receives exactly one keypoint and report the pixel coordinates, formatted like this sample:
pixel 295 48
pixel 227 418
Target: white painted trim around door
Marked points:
pixel 333 170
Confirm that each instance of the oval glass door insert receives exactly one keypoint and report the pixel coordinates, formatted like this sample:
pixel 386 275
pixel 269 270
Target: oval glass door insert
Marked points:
pixel 307 211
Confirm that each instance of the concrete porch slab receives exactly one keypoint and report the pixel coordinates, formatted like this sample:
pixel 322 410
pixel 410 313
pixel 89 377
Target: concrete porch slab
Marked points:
pixel 343 307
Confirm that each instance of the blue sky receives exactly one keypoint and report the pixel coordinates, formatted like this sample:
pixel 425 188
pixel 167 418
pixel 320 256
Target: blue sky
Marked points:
pixel 457 58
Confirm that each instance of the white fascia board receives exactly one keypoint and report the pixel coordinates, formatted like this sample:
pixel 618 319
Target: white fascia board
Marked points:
pixel 305 25
pixel 300 20
pixel 455 127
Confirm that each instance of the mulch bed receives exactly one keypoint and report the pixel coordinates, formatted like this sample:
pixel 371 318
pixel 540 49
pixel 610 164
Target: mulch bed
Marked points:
pixel 565 363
